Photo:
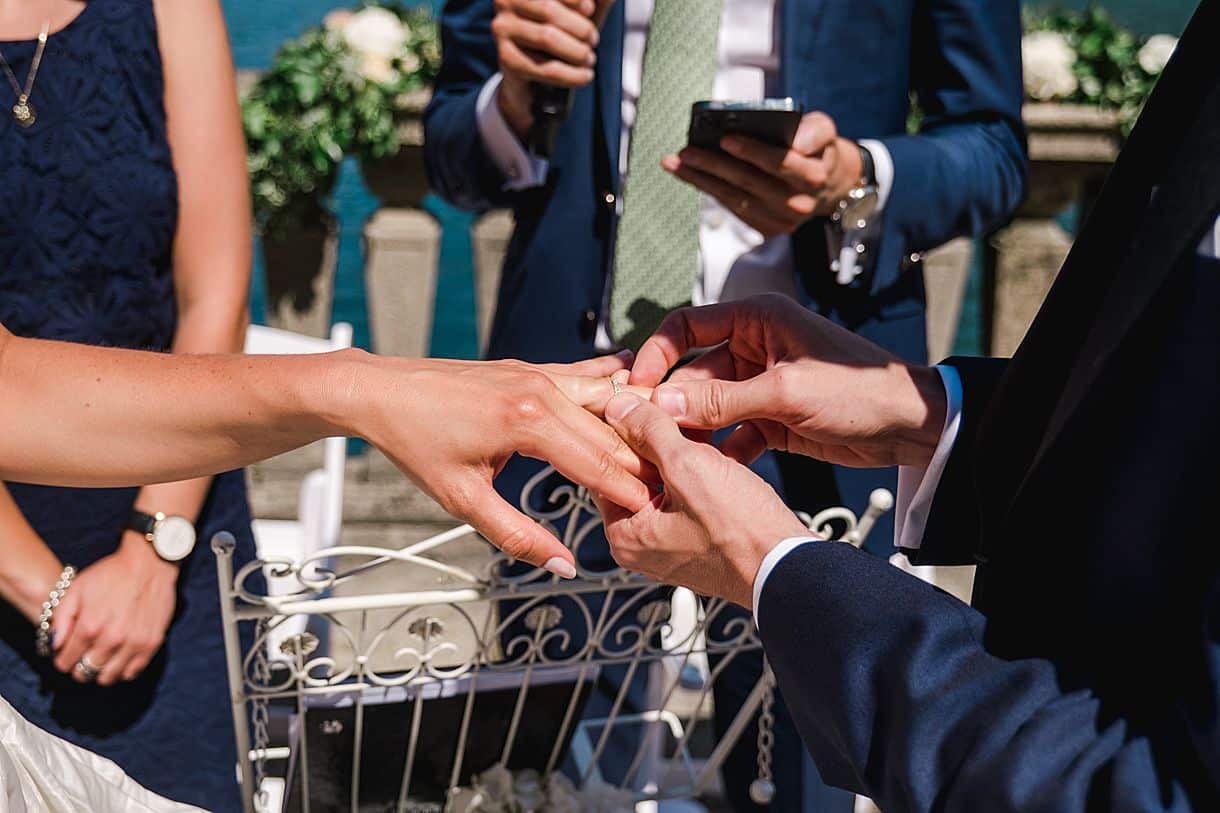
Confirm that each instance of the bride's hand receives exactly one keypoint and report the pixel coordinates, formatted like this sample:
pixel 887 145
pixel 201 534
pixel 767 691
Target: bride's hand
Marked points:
pixel 452 425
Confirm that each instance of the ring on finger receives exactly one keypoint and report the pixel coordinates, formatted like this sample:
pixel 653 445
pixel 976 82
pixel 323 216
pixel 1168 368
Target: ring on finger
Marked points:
pixel 617 382
pixel 87 668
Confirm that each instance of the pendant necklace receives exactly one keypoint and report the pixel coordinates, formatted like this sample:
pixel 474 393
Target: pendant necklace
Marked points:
pixel 23 111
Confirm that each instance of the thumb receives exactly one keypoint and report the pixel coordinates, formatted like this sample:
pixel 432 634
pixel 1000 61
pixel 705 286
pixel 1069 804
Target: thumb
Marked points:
pixel 716 403
pixel 517 535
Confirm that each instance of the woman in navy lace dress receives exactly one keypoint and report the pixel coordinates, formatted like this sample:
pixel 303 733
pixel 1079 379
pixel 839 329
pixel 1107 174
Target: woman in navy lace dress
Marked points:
pixel 124 220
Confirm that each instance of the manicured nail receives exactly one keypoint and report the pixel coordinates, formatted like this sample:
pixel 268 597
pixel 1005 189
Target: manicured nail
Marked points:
pixel 672 400
pixel 626 356
pixel 671 163
pixel 560 567
pixel 621 405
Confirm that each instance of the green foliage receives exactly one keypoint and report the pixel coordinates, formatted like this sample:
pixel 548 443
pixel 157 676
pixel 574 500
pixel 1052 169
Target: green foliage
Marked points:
pixel 314 105
pixel 1107 59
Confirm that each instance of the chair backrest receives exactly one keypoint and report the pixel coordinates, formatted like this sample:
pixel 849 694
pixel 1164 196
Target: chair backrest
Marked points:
pixel 322 529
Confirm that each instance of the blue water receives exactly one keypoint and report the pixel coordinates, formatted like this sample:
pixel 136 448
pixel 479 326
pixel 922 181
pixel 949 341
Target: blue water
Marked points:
pixel 257 27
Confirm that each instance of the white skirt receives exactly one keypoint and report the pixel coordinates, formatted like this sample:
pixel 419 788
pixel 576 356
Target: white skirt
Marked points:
pixel 41 773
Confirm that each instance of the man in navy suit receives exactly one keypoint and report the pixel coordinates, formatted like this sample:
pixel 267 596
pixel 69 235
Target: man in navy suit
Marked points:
pixel 1077 475
pixel 594 263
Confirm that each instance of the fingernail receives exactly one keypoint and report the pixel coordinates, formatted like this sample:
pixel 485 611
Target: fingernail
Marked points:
pixel 671 163
pixel 672 400
pixel 627 356
pixel 730 144
pixel 597 37
pixel 560 567
pixel 620 406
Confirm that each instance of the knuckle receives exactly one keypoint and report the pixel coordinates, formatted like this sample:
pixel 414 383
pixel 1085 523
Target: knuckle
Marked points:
pixel 528 407
pixel 515 544
pixel 606 466
pixel 715 401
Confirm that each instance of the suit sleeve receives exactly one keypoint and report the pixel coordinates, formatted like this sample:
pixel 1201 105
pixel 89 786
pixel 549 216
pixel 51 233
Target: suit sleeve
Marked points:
pixel 952 526
pixel 460 169
pixel 897 698
pixel 966 170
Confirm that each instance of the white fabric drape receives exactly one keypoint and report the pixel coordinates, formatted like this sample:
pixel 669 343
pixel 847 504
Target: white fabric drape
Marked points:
pixel 41 773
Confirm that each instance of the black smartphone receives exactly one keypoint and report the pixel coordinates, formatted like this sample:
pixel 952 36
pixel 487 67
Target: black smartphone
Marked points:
pixel 772 121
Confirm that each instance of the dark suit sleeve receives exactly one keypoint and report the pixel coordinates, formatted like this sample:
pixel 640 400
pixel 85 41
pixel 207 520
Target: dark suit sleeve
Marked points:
pixel 966 170
pixel 952 527
pixel 896 697
pixel 459 168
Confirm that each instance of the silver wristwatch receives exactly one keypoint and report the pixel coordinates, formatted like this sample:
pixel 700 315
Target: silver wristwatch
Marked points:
pixel 172 537
pixel 856 210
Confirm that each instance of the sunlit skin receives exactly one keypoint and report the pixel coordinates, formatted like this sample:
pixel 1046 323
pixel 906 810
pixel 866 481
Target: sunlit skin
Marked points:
pixel 773 189
pixel 99 417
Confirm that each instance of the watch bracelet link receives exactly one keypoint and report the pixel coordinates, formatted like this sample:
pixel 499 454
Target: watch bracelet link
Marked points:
pixel 42 632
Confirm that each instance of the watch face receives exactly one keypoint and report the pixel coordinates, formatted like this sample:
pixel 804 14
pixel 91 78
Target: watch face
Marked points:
pixel 861 204
pixel 174 538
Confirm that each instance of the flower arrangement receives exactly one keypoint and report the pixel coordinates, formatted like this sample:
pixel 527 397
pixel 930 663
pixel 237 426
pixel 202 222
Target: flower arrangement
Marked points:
pixel 1085 57
pixel 341 88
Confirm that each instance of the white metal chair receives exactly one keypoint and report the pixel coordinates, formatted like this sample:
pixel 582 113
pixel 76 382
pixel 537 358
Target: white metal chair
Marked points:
pixel 320 506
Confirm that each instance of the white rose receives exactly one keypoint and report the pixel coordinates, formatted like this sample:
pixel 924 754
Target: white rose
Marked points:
pixel 1048 62
pixel 1155 54
pixel 377 31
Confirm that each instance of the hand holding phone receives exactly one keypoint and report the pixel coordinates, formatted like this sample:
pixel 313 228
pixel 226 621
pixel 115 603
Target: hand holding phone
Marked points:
pixel 772 167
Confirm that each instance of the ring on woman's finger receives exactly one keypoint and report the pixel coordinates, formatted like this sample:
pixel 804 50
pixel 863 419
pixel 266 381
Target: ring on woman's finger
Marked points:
pixel 87 669
pixel 617 383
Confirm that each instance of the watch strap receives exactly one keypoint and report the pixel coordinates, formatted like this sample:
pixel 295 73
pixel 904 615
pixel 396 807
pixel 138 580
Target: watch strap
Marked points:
pixel 868 167
pixel 142 522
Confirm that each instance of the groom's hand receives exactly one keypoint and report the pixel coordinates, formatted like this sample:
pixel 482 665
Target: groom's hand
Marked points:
pixel 794 381
pixel 452 425
pixel 710 528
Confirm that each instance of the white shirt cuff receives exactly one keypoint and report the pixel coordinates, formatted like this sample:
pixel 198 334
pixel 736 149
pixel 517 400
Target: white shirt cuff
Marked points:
pixel 772 559
pixel 522 169
pixel 917 484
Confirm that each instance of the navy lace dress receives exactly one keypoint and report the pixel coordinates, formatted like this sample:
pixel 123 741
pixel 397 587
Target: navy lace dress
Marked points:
pixel 88 212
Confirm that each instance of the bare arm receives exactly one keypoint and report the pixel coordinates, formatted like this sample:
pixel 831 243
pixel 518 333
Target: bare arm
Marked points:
pixel 97 417
pixel 88 416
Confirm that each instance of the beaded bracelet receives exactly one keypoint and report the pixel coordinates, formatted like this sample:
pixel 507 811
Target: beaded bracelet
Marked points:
pixel 42 635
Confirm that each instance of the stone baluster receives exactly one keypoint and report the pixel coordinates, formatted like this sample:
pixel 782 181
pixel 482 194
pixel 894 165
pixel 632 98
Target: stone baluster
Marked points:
pixel 489 243
pixel 1070 149
pixel 402 246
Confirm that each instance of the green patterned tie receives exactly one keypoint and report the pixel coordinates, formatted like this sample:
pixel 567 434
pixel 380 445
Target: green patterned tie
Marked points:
pixel 657 249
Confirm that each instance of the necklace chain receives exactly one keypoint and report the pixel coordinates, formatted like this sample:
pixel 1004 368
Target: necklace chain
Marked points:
pixel 24 95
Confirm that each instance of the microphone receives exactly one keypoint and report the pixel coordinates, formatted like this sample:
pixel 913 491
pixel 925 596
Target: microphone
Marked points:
pixel 549 108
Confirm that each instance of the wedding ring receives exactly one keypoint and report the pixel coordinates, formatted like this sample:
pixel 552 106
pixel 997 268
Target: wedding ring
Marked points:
pixel 86 668
pixel 618 387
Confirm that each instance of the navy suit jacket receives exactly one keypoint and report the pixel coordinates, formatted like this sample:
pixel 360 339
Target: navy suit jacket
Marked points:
pixel 1083 484
pixel 859 61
